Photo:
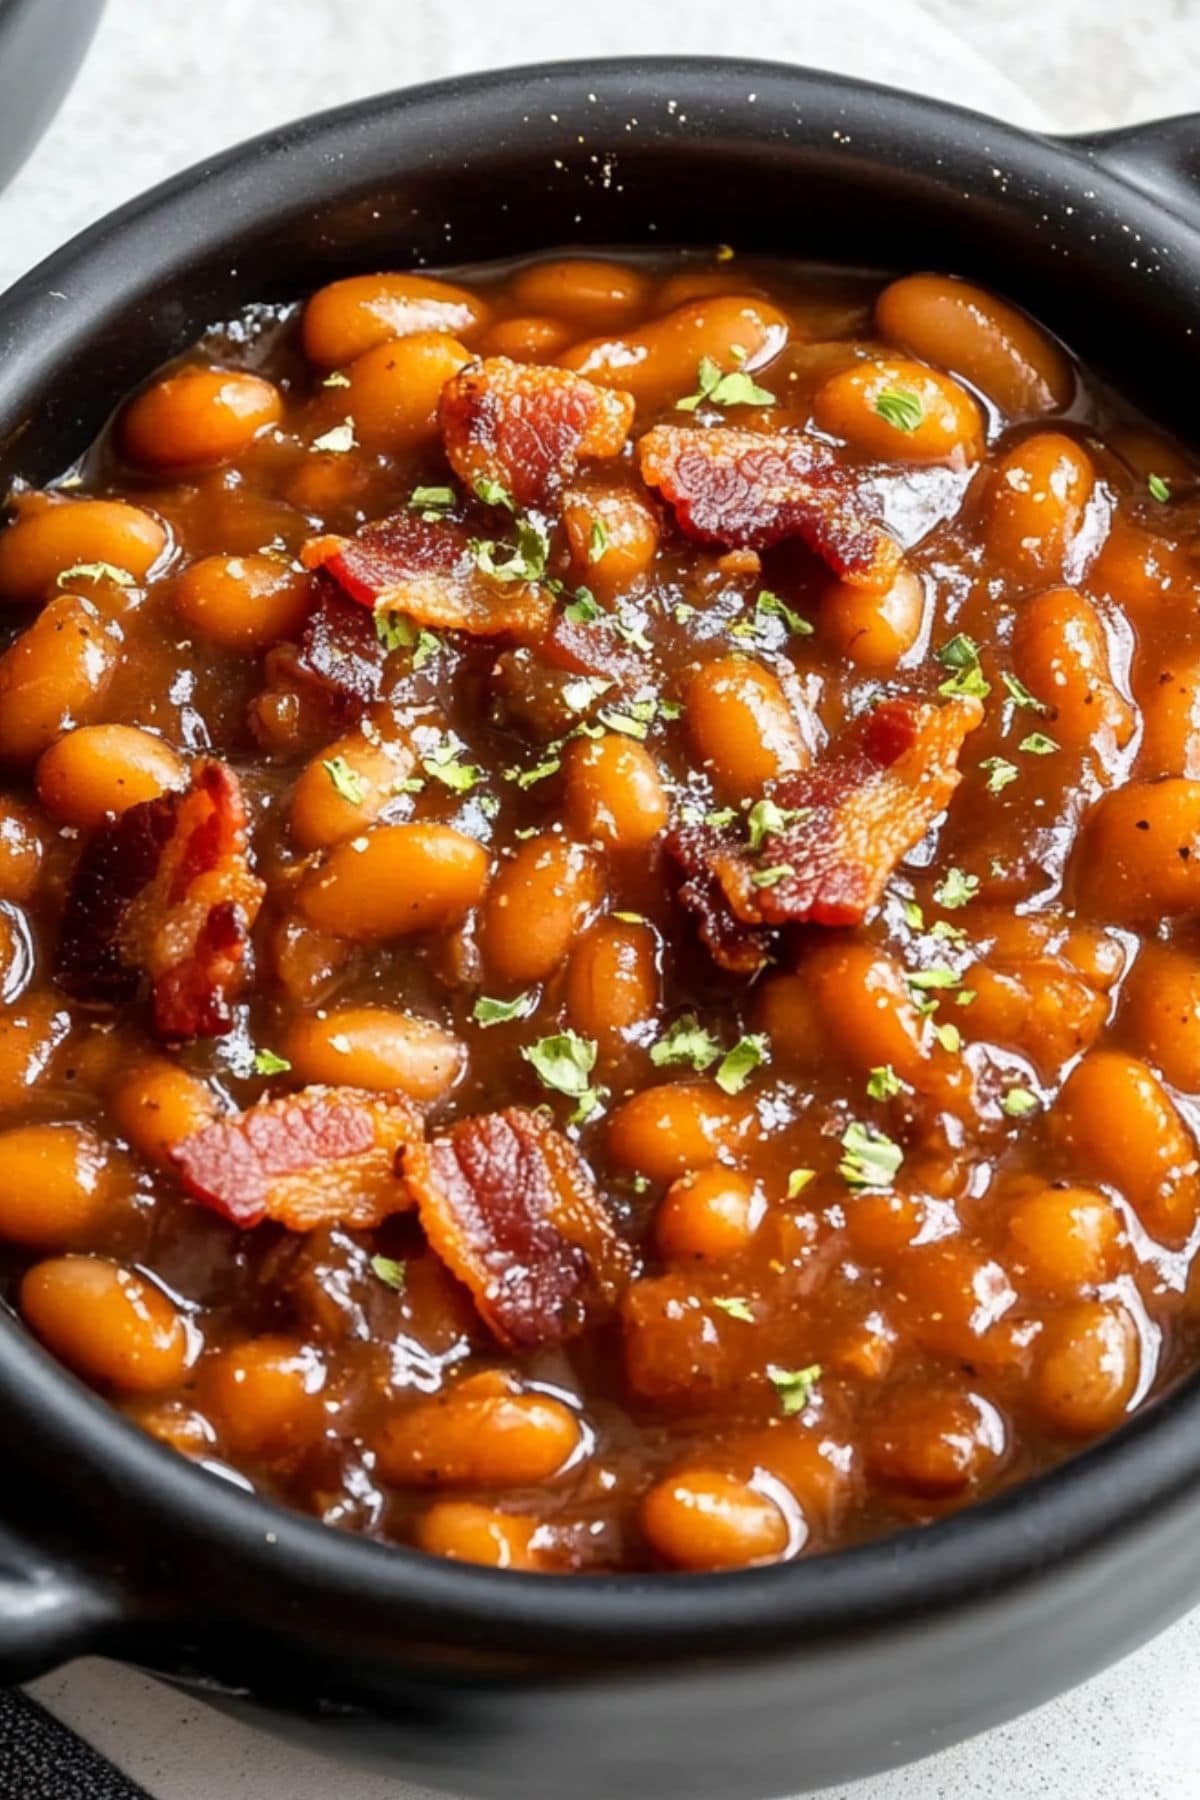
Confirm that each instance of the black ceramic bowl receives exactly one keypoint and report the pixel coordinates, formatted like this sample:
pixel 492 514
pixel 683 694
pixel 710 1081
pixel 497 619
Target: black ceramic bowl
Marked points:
pixel 761 1682
pixel 41 45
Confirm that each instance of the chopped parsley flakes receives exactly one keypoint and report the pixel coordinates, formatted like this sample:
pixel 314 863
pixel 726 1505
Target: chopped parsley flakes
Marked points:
pixel 686 1041
pixel 900 408
pixel 721 389
pixel 999 773
pixel 961 656
pixel 346 781
pixel 955 889
pixel 794 1387
pixel 735 1307
pixel 870 1159
pixel 393 1274
pixel 444 763
pixel 564 1063
pixel 499 1012
pixel 339 440
pixel 524 562
pixel 266 1062
pixel 883 1083
pixel 737 1065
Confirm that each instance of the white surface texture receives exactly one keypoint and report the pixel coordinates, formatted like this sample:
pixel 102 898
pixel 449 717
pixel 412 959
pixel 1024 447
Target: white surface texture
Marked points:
pixel 170 81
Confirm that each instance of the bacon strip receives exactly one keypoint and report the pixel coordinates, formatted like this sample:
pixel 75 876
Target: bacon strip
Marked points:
pixel 165 892
pixel 750 490
pixel 862 806
pixel 426 569
pixel 324 1156
pixel 527 427
pixel 512 1210
pixel 342 649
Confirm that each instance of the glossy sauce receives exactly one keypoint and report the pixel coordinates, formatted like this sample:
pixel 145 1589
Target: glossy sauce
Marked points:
pixel 930 1227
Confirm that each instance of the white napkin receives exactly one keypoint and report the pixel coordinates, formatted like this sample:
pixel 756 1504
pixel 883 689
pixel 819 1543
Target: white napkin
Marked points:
pixel 168 83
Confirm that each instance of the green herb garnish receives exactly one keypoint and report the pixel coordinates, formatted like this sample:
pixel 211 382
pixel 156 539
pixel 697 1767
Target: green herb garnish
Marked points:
pixel 393 1274
pixel 900 407
pixel 1000 773
pixel 686 1041
pixel 870 1158
pixel 500 1012
pixel 733 389
pixel 347 781
pixel 883 1083
pixel 955 889
pixel 794 1387
pixel 961 655
pixel 737 1065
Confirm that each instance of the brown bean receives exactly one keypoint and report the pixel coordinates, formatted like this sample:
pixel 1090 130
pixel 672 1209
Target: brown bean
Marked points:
pixel 1036 504
pixel 874 629
pixel 97 771
pixel 157 1104
pixel 1120 1126
pixel 345 787
pixel 1060 653
pixel 594 295
pixel 395 880
pixel 612 986
pixel 484 1432
pixel 198 416
pixel 614 793
pixel 933 1442
pixel 243 602
pixel 1161 1013
pixel 1171 720
pixel 658 362
pixel 937 422
pixel 106 1322
pixel 703 1519
pixel 741 727
pixel 969 331
pixel 393 389
pixel 710 1215
pixel 50 537
pixel 1087 1367
pixel 374 1047
pixel 664 1131
pixel 54 676
pixel 346 318
pixel 467 1532
pixel 55 1184
pixel 265 1396
pixel 536 907
pixel 1065 1238
pixel 21 850
pixel 1138 857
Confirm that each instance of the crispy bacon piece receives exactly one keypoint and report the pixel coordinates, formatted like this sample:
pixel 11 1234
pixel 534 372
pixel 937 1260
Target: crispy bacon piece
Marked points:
pixel 342 649
pixel 742 949
pixel 512 1210
pixel 324 1156
pixel 528 427
pixel 426 569
pixel 859 808
pixel 594 648
pixel 750 490
pixel 165 892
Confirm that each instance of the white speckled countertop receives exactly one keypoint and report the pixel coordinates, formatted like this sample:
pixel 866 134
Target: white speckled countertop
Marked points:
pixel 169 81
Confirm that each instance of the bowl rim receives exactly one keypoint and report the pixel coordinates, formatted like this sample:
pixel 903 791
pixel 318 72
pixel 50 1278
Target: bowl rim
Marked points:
pixel 1060 1516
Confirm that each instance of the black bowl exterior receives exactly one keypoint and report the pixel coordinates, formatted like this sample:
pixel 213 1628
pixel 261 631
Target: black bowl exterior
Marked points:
pixel 41 46
pixel 766 1681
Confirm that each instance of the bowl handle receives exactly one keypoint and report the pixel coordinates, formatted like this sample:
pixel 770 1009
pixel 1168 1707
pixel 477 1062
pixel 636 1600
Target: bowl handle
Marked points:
pixel 1161 158
pixel 49 1612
